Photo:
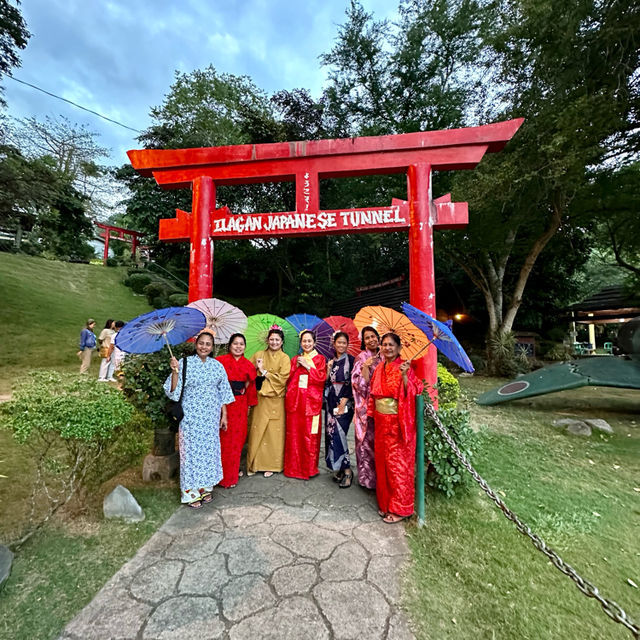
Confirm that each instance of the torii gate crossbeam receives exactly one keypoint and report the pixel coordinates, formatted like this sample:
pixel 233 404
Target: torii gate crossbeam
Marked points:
pixel 306 163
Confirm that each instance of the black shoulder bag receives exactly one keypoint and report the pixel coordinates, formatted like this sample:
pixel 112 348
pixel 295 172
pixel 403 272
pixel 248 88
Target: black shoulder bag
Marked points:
pixel 173 409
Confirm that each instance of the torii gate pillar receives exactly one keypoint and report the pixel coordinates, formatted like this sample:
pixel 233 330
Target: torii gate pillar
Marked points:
pixel 421 267
pixel 201 254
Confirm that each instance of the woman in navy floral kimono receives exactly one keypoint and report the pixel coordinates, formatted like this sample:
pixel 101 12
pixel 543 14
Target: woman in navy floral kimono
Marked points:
pixel 338 407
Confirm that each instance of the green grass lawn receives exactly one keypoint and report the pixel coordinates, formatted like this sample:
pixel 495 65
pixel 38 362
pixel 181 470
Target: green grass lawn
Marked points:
pixel 475 576
pixel 45 305
pixel 59 570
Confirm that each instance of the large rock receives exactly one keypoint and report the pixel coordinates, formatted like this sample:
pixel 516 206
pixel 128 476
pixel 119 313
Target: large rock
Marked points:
pixel 599 425
pixel 6 561
pixel 573 426
pixel 579 428
pixel 121 504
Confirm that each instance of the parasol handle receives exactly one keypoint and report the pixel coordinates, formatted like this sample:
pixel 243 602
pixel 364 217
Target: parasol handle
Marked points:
pixel 421 350
pixel 164 335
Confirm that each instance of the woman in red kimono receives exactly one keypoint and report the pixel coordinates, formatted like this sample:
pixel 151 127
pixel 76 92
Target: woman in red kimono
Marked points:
pixel 303 405
pixel 242 378
pixel 392 404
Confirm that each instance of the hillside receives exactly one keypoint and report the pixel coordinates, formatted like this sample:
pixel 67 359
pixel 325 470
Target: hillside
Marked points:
pixel 44 306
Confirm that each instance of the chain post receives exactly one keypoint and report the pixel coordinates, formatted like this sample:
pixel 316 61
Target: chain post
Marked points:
pixel 420 479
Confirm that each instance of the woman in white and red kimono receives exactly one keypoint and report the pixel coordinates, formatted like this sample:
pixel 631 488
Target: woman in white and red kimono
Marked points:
pixel 393 391
pixel 303 405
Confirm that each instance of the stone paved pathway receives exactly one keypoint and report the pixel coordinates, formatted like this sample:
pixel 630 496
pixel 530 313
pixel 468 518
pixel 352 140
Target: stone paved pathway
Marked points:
pixel 272 558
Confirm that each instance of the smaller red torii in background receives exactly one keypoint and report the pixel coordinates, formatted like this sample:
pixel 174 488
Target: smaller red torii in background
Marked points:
pixel 306 163
pixel 121 234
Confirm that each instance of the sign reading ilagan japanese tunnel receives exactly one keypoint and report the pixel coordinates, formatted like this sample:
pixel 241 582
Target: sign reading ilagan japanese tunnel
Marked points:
pixel 306 163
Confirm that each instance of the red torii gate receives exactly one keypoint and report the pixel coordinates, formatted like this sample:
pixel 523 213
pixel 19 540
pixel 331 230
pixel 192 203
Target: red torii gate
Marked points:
pixel 121 234
pixel 305 163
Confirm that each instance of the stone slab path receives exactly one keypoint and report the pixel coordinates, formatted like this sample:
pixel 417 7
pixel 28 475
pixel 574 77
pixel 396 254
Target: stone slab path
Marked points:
pixel 272 558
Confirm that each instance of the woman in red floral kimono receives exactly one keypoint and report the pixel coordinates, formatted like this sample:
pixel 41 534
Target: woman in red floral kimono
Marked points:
pixel 392 403
pixel 303 405
pixel 242 377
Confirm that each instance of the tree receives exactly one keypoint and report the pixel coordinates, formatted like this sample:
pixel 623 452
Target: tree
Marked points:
pixel 13 36
pixel 570 74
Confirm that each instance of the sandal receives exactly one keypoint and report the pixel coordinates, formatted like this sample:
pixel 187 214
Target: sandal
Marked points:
pixel 240 474
pixel 392 518
pixel 206 498
pixel 346 481
pixel 337 477
pixel 382 514
pixel 268 474
pixel 196 504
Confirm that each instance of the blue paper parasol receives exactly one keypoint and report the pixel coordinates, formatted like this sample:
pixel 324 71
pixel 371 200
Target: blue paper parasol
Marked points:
pixel 302 321
pixel 440 335
pixel 151 331
pixel 322 330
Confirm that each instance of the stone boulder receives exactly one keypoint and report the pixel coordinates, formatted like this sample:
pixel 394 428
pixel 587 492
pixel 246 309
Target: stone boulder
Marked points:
pixel 599 425
pixel 579 428
pixel 574 426
pixel 6 561
pixel 121 504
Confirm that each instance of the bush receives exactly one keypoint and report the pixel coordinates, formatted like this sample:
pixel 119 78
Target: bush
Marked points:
pixel 448 388
pixel 179 299
pixel 444 471
pixel 559 352
pixel 158 293
pixel 138 281
pixel 144 376
pixel 72 427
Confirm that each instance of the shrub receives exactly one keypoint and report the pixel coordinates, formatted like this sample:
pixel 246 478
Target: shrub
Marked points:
pixel 444 471
pixel 448 388
pixel 559 352
pixel 158 293
pixel 179 299
pixel 72 426
pixel 144 376
pixel 138 281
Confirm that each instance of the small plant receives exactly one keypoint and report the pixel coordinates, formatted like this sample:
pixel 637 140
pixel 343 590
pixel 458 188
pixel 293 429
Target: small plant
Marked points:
pixel 72 426
pixel 448 388
pixel 559 352
pixel 444 471
pixel 178 299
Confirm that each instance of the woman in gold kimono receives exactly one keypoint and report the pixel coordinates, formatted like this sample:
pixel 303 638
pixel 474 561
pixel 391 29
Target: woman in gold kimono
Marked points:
pixel 265 449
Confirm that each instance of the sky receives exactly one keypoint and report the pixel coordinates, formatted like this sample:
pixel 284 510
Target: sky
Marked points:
pixel 119 57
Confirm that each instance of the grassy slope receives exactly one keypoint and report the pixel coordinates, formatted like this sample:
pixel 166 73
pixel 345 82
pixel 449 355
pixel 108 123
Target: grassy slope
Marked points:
pixel 45 305
pixel 475 576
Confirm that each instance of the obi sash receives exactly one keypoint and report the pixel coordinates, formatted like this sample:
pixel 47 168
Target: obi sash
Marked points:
pixel 387 406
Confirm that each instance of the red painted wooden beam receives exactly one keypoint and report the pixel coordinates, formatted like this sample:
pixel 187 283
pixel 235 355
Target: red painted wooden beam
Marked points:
pixel 493 136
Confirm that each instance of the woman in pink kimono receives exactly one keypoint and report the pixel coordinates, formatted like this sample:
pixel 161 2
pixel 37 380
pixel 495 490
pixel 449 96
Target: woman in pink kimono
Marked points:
pixel 363 368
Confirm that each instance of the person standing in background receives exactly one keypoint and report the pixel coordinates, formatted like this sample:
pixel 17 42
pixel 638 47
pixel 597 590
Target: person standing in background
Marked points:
pixel 116 356
pixel 87 345
pixel 104 339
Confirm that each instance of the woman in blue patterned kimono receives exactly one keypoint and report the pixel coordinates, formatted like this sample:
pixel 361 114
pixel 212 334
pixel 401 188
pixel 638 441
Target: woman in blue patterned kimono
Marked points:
pixel 338 407
pixel 206 392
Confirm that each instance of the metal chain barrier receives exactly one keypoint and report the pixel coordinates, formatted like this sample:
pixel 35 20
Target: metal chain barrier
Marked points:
pixel 611 608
